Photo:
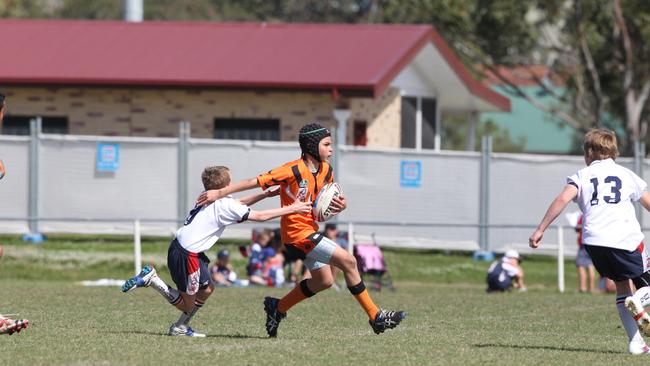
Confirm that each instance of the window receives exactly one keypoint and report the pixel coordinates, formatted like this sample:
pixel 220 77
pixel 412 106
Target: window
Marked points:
pixel 409 112
pixel 428 123
pixel 247 129
pixel 19 125
pixel 360 133
pixel 409 109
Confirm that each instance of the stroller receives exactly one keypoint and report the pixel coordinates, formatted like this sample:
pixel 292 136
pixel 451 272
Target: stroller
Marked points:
pixel 372 267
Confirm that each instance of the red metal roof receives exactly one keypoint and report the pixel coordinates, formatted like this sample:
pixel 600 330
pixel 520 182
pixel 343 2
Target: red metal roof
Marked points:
pixel 361 59
pixel 524 76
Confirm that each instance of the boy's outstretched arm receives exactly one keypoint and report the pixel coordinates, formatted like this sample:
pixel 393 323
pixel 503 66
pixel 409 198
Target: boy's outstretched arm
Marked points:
pixel 254 198
pixel 645 200
pixel 210 196
pixel 556 207
pixel 296 207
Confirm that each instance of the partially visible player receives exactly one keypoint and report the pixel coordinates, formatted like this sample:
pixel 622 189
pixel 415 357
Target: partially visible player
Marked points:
pixel 8 325
pixel 2 114
pixel 611 233
pixel 302 179
pixel 186 259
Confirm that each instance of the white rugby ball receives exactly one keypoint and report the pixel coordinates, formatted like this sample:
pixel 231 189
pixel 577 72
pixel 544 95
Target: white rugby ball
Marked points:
pixel 321 210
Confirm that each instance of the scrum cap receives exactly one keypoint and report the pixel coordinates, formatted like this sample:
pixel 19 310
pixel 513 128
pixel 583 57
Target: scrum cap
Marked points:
pixel 310 136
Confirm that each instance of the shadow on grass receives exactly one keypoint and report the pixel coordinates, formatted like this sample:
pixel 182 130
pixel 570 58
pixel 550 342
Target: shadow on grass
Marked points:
pixel 231 336
pixel 550 348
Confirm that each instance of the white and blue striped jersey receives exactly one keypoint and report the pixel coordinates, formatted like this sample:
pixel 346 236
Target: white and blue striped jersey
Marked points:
pixel 205 225
pixel 606 191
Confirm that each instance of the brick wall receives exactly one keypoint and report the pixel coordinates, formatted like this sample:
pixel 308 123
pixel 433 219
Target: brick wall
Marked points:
pixel 383 116
pixel 156 112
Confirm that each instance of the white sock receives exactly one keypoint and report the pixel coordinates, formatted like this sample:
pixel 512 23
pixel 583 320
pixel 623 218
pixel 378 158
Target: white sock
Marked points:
pixel 169 293
pixel 628 321
pixel 186 317
pixel 643 295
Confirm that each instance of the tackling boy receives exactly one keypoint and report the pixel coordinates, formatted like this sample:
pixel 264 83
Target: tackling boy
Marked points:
pixel 186 259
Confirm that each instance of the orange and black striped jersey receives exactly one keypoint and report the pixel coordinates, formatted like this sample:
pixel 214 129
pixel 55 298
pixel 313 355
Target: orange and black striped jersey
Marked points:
pixel 296 181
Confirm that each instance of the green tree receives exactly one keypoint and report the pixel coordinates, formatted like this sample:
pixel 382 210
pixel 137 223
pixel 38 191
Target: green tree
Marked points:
pixel 24 9
pixel 454 131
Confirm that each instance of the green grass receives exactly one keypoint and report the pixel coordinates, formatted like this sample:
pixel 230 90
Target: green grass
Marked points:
pixel 451 319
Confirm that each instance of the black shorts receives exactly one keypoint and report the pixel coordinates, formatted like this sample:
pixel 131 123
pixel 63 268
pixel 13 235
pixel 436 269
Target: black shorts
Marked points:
pixel 618 264
pixel 189 270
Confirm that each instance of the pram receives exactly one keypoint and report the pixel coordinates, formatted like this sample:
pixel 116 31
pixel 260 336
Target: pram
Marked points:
pixel 372 266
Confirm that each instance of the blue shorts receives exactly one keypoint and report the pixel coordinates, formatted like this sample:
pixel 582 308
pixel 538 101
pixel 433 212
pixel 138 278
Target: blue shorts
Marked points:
pixel 583 259
pixel 189 270
pixel 496 284
pixel 618 264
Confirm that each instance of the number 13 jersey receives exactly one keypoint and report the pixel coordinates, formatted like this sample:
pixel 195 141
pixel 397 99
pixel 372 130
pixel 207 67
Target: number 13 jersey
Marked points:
pixel 605 194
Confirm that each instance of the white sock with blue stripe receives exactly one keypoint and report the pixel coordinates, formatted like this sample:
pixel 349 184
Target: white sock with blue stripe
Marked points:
pixel 168 292
pixel 631 328
pixel 186 317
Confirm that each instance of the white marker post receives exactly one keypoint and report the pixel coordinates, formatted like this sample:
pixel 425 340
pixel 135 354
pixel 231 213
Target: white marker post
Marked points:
pixel 137 248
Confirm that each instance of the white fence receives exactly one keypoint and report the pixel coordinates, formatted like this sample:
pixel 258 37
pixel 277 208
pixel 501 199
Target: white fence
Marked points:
pixel 437 208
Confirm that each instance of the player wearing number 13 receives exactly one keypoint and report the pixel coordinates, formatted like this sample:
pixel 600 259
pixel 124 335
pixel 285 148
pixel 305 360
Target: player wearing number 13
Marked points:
pixel 612 235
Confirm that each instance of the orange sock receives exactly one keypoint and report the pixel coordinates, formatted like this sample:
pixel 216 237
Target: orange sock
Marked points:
pixel 294 296
pixel 363 297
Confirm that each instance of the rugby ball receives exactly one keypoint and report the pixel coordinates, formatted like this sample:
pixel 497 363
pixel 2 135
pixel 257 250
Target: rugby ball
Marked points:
pixel 321 209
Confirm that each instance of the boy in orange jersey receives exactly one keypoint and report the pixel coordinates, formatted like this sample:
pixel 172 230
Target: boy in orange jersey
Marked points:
pixel 302 179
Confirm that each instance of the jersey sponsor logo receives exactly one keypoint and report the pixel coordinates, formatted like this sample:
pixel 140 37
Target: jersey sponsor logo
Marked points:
pixel 303 190
pixel 193 283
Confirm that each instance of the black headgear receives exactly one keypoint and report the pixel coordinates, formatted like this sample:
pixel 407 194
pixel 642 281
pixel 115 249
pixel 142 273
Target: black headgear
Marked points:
pixel 309 138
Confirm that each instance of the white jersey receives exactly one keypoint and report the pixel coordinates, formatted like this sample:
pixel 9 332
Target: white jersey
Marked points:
pixel 204 225
pixel 605 194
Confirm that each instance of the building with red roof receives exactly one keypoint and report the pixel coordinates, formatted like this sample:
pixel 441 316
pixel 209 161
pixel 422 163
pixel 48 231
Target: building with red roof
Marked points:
pixel 236 80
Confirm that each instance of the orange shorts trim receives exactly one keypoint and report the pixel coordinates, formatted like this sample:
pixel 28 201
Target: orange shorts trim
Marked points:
pixel 304 246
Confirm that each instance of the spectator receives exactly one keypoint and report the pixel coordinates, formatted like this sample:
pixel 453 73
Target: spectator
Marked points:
pixel 295 267
pixel 606 285
pixel 584 265
pixel 258 253
pixel 274 264
pixel 221 272
pixel 506 273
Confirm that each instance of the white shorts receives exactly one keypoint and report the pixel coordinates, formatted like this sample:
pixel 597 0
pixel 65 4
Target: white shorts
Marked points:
pixel 320 255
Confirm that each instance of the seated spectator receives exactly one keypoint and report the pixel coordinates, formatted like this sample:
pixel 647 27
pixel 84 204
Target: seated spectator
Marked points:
pixel 222 272
pixel 606 285
pixel 506 273
pixel 274 265
pixel 258 253
pixel 295 268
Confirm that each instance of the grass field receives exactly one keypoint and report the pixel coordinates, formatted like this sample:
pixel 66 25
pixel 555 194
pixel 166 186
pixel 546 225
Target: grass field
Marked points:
pixel 451 319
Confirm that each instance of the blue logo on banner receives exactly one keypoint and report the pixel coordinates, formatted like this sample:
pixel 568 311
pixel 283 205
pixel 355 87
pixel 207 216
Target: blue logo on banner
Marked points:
pixel 411 174
pixel 108 157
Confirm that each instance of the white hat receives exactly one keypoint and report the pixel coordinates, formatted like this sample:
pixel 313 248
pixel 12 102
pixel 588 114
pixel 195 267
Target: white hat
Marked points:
pixel 512 254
